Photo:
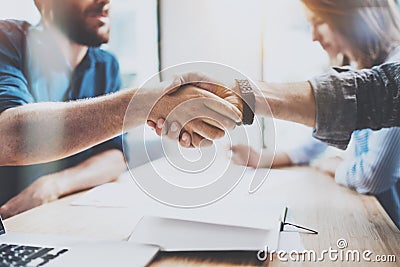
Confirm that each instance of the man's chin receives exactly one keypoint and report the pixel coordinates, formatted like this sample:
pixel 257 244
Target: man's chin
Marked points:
pixel 104 34
pixel 95 38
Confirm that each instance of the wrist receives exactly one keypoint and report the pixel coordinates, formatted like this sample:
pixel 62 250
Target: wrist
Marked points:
pixel 48 187
pixel 266 158
pixel 139 105
pixel 287 101
pixel 260 105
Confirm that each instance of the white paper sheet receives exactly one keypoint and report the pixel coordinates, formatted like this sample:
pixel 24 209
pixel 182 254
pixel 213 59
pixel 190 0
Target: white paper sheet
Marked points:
pixel 182 235
pixel 238 208
pixel 112 195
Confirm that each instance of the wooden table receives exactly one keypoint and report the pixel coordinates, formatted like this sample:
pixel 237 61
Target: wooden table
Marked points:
pixel 315 200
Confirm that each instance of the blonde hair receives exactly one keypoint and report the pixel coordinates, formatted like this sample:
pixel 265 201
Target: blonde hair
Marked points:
pixel 371 27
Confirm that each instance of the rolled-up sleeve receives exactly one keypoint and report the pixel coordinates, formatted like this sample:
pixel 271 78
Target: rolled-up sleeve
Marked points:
pixel 348 100
pixel 13 84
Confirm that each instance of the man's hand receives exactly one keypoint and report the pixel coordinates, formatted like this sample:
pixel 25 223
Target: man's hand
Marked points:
pixel 41 191
pixel 204 82
pixel 203 114
pixel 173 128
pixel 328 165
pixel 99 169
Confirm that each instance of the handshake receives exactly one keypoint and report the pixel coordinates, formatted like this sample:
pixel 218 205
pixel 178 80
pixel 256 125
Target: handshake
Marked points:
pixel 196 109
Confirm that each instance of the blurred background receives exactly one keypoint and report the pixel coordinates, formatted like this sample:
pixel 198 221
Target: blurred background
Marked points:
pixel 264 39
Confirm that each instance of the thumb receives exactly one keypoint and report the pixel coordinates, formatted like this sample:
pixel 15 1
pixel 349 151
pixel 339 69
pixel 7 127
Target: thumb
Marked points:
pixel 174 86
pixel 197 79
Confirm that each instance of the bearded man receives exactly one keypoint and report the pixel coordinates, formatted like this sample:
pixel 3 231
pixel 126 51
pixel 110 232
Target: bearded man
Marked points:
pixel 61 116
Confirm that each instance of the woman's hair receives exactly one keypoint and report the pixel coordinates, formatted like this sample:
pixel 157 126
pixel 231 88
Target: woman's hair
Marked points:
pixel 371 27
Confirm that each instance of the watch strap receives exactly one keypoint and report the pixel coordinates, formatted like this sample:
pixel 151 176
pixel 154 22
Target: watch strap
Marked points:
pixel 248 99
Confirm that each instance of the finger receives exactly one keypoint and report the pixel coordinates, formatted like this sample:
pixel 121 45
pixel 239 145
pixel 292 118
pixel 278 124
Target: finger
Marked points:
pixel 165 127
pixel 174 86
pixel 152 124
pixel 160 126
pixel 238 160
pixel 174 130
pixel 210 86
pixel 215 119
pixel 205 130
pixel 219 121
pixel 186 140
pixel 200 141
pixel 239 148
pixel 224 108
pixel 234 148
pixel 242 152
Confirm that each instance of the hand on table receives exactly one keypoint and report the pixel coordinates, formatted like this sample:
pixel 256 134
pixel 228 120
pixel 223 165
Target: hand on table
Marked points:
pixel 39 192
pixel 328 165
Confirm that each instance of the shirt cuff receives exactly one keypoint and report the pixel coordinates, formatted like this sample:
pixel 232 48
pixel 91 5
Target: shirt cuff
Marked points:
pixel 298 156
pixel 341 175
pixel 336 106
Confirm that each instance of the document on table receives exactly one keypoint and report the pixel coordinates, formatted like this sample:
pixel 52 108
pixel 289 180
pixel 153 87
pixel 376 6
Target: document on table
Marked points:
pixel 112 195
pixel 238 208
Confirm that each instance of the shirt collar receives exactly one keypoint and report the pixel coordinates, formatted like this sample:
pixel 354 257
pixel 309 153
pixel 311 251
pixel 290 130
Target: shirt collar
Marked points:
pixel 87 62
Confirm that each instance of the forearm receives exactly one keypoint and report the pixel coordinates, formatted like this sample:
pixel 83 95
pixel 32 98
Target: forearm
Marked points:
pixel 102 168
pixel 281 159
pixel 288 101
pixel 338 102
pixel 42 132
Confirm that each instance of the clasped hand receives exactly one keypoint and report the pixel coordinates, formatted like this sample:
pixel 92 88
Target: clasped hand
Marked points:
pixel 196 110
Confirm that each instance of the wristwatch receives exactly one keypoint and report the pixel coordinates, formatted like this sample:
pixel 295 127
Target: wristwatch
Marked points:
pixel 248 99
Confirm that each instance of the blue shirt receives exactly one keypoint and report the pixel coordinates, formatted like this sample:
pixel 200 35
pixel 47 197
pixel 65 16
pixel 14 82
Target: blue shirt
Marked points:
pixel 32 69
pixel 372 165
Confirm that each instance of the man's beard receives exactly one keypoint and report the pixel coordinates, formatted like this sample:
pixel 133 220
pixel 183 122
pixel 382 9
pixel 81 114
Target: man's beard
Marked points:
pixel 72 23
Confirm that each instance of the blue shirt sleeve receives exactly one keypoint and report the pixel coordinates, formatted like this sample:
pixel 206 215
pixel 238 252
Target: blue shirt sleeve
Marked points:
pixel 13 83
pixel 307 152
pixel 376 170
